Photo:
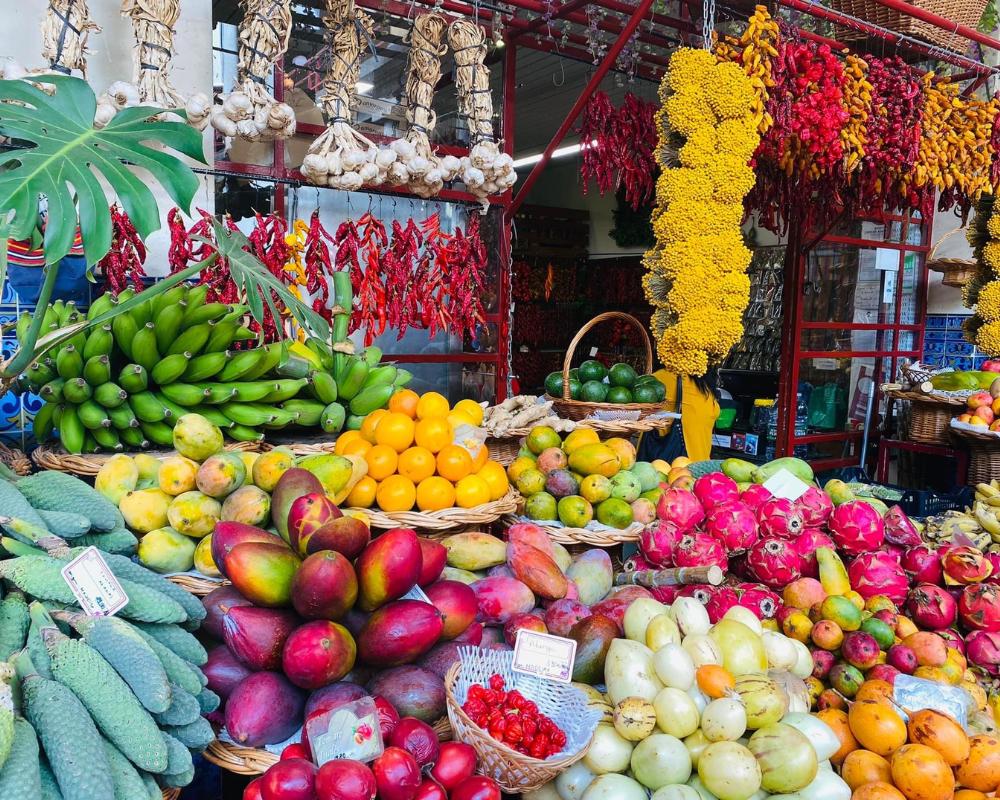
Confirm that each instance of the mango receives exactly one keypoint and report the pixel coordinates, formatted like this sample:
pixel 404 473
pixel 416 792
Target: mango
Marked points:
pixel 197 438
pixel 325 586
pixel 501 598
pixel 348 536
pixel 561 555
pixel 622 448
pixel 474 550
pixel 359 468
pixel 263 572
pixel 531 534
pixel 291 485
pixel 194 514
pixel 399 633
pixel 593 636
pixel 562 615
pixel 308 513
pixel 537 570
pixel 458 606
pixel 334 472
pixel 463 575
pixel 388 568
pixel 433 557
pixel 578 438
pixel 203 558
pixel 117 477
pixel 165 550
pixel 739 470
pixel 229 534
pixel 221 475
pixel 177 475
pixel 248 504
pixel 264 709
pixel 145 510
pixel 593 574
pixel 839 492
pixel 412 691
pixel 595 459
pixel 649 478
pixel 248 459
pixel 149 468
pixel 269 467
pixel 799 468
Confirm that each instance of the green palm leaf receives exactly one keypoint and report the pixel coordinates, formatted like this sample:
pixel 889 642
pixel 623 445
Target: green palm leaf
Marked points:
pixel 69 154
pixel 256 283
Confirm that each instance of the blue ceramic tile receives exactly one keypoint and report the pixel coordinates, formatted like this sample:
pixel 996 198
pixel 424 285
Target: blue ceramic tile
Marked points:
pixel 31 404
pixel 963 363
pixel 10 412
pixel 954 335
pixel 956 320
pixel 935 336
pixel 934 348
pixel 8 297
pixel 935 321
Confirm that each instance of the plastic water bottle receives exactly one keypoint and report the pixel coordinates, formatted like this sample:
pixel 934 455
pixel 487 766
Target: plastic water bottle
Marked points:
pixel 772 431
pixel 801 424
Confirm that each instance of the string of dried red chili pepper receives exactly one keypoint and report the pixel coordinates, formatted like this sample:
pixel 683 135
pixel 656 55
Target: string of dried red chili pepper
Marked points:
pixel 123 262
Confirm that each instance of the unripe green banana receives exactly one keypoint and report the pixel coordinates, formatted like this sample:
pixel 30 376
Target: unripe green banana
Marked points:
pixel 144 351
pixel 159 433
pixel 77 391
pixel 210 312
pixel 372 355
pixel 244 391
pixel 174 411
pixel 170 368
pixel 172 297
pixel 251 414
pixel 285 389
pixel 191 341
pixel 240 364
pixel 110 395
pixel 217 393
pixel 310 412
pixel 147 407
pixel 39 374
pixel 380 376
pixel 133 378
pixel 333 417
pixel 97 370
pixel 354 379
pixel 123 417
pixel 107 439
pixel 168 326
pixel 71 430
pixel 44 422
pixel 269 361
pixel 142 314
pixel 124 329
pixel 222 336
pixel 205 366
pixel 92 415
pixel 214 415
pixel 244 433
pixel 99 342
pixel 183 394
pixel 102 305
pixel 325 386
pixel 53 390
pixel 134 438
pixel 370 399
pixel 69 363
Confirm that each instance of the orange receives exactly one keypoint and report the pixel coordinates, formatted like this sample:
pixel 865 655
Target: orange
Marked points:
pixel 479 457
pixel 496 479
pixel 405 402
pixel 434 434
pixel 435 493
pixel 416 463
pixel 357 447
pixel 370 423
pixel 471 491
pixel 345 439
pixel 472 409
pixel 432 404
pixel 454 462
pixel 459 418
pixel 363 493
pixel 395 430
pixel 382 461
pixel 396 493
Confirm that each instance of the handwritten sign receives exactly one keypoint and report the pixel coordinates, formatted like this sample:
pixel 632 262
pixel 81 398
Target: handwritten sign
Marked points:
pixel 349 731
pixel 416 593
pixel 784 484
pixel 94 585
pixel 544 655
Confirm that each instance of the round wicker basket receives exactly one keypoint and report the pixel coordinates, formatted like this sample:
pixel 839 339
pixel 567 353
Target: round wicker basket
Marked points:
pixel 319 444
pixel 54 457
pixel 578 409
pixel 956 272
pixel 15 459
pixel 930 415
pixel 984 455
pixel 571 536
pixel 446 518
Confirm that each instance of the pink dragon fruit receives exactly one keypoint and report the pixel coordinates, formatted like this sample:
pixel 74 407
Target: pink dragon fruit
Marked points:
pixel 701 592
pixel 816 507
pixel 774 562
pixel 700 550
pixel 657 543
pixel 754 496
pixel 964 565
pixel 979 607
pixel 983 651
pixel 952 638
pixel 714 489
pixel 637 562
pixel 922 564
pixel 720 600
pixel 806 544
pixel 894 551
pixel 856 528
pixel 994 559
pixel 734 525
pixel 898 528
pixel 680 508
pixel 759 599
pixel 931 607
pixel 779 516
pixel 666 594
pixel 878 573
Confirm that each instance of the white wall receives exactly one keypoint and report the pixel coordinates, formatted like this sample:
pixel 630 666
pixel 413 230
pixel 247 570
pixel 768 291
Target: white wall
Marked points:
pixel 111 60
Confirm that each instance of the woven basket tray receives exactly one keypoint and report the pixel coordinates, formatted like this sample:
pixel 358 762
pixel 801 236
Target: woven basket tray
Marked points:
pixel 446 518
pixel 252 761
pixel 984 455
pixel 320 444
pixel 930 416
pixel 962 12
pixel 577 409
pixel 15 459
pixel 571 536
pixel 88 465
pixel 504 450
pixel 956 272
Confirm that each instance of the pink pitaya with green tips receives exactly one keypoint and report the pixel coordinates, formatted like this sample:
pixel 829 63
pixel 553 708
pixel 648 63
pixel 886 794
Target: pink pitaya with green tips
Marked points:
pixel 857 528
pixel 816 507
pixel 714 489
pixel 774 562
pixel 680 508
pixel 779 516
pixel 878 573
pixel 733 525
pixel 754 496
pixel 899 530
pixel 700 550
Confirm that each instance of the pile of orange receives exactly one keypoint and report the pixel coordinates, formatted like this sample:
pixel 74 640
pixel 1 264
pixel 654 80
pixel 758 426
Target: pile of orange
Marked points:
pixel 414 460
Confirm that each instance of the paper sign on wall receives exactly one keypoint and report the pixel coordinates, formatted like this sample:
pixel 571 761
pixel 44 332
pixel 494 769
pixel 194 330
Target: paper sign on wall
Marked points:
pixel 544 655
pixel 784 484
pixel 95 587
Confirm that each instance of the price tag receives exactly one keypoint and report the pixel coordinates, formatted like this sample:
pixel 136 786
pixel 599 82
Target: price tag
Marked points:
pixel 349 731
pixel 416 593
pixel 94 585
pixel 593 352
pixel 784 484
pixel 544 655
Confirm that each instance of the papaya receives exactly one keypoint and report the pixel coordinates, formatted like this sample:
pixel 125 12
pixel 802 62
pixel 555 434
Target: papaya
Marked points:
pixel 739 470
pixel 956 381
pixel 799 468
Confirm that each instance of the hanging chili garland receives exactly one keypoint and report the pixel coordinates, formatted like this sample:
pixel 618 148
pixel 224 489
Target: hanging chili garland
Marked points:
pixel 123 263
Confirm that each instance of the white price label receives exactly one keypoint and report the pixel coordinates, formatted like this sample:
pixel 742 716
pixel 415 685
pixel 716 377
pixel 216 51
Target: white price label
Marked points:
pixel 593 352
pixel 94 584
pixel 544 655
pixel 784 484
pixel 416 593
pixel 349 731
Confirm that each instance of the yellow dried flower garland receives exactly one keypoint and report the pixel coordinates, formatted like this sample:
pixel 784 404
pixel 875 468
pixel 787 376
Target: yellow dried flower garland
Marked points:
pixel 982 292
pixel 696 277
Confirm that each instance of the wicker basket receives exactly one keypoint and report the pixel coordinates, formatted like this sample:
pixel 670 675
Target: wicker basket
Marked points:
pixel 171 794
pixel 571 536
pixel 578 409
pixel 514 772
pixel 956 271
pixel 962 12
pixel 984 455
pixel 930 417
pixel 251 761
pixel 88 465
pixel 15 459
pixel 446 518
pixel 197 585
pixel 504 450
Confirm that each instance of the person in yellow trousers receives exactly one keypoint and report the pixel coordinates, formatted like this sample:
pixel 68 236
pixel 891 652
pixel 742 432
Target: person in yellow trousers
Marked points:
pixel 699 409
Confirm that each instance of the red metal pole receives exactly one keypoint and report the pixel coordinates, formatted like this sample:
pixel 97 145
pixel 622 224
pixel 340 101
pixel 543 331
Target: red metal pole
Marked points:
pixel 581 101
pixel 653 71
pixel 915 11
pixel 507 120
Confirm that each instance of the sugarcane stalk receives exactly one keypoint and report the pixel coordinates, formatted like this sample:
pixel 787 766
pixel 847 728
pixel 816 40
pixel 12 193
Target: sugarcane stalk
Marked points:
pixel 678 576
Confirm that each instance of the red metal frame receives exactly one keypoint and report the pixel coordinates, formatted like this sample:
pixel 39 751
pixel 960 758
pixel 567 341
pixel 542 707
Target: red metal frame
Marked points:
pixel 885 446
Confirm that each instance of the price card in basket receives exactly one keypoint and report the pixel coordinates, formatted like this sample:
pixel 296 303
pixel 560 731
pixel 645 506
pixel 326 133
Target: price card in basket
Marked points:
pixel 94 585
pixel 544 655
pixel 784 484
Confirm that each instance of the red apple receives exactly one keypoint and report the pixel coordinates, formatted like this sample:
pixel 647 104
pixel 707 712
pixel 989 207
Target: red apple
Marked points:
pixel 478 787
pixel 455 763
pixel 294 779
pixel 397 775
pixel 345 779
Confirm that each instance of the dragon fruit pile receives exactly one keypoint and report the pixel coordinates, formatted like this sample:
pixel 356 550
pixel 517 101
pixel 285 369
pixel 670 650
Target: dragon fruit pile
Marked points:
pixel 765 543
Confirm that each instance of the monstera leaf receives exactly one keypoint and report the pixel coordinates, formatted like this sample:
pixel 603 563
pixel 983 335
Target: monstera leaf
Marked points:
pixel 69 153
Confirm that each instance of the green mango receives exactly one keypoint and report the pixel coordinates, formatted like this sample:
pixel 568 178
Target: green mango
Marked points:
pixel 799 468
pixel 739 470
pixel 875 503
pixel 839 492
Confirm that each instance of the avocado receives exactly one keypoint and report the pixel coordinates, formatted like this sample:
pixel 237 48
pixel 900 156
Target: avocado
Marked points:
pixel 594 392
pixel 554 384
pixel 619 394
pixel 592 371
pixel 622 375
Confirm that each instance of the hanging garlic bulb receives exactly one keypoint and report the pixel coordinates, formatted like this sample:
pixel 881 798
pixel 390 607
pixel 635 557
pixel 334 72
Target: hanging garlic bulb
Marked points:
pixel 104 113
pixel 11 70
pixel 199 110
pixel 123 95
